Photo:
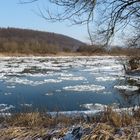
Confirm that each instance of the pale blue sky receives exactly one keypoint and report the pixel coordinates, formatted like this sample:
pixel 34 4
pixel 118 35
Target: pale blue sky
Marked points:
pixel 13 14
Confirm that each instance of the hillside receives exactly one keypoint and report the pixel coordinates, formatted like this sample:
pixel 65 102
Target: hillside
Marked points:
pixel 14 40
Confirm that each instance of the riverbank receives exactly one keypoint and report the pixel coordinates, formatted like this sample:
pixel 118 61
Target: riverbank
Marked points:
pixel 58 54
pixel 109 125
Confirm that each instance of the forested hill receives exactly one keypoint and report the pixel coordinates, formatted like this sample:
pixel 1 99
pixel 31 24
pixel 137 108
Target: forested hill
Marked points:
pixel 14 40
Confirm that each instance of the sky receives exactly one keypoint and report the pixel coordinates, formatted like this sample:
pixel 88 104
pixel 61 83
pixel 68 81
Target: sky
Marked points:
pixel 13 14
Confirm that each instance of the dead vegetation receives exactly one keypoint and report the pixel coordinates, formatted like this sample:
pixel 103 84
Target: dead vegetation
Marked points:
pixel 118 119
pixel 105 126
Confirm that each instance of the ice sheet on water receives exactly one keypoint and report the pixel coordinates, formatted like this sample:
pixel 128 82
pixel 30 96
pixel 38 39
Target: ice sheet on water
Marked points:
pixel 127 87
pixel 85 88
pixel 16 65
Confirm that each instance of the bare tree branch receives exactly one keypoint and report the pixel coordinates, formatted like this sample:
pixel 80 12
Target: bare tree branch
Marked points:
pixel 112 15
pixel 26 2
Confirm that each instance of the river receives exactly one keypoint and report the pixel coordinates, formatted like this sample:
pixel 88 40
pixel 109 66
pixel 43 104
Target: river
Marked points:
pixel 66 83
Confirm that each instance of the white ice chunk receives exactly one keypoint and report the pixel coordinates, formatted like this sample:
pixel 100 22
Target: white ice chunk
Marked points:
pixel 106 78
pixel 94 106
pixel 58 90
pixel 73 78
pixel 49 94
pixel 84 88
pixel 105 92
pixel 11 86
pixel 127 87
pixel 8 93
pixel 5 107
pixel 52 81
pixel 66 74
pixel 26 105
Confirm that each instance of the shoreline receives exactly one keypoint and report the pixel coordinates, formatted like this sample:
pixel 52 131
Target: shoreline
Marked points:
pixel 57 55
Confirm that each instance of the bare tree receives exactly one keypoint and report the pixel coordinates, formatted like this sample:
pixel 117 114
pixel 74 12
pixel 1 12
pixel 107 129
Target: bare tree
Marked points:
pixel 110 16
pixel 134 41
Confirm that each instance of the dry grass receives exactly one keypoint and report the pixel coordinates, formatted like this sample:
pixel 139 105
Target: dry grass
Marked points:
pixel 36 119
pixel 120 119
pixel 37 124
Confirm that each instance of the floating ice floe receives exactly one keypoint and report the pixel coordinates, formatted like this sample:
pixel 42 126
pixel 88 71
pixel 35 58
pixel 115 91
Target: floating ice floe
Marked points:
pixel 11 86
pixel 106 92
pixel 127 88
pixel 49 94
pixel 58 90
pixel 69 78
pixel 94 106
pixel 66 74
pixel 26 105
pixel 2 75
pixel 52 81
pixel 16 80
pixel 35 75
pixel 120 74
pixel 84 88
pixel 23 81
pixel 8 93
pixel 106 78
pixel 75 113
pixel 101 68
pixel 5 107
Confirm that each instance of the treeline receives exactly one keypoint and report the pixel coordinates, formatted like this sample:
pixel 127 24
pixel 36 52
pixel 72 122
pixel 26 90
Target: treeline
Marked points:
pixel 114 50
pixel 26 47
pixel 28 41
pixel 125 51
pixel 36 42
